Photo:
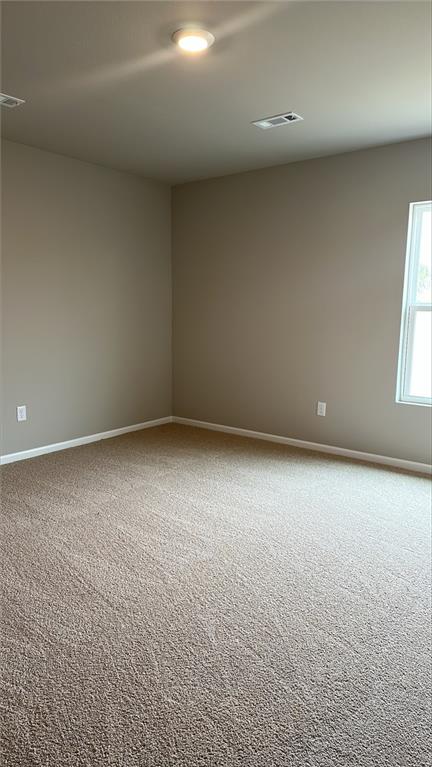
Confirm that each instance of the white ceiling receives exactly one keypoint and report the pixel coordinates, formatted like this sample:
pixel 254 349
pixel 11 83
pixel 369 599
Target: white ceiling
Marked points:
pixel 103 82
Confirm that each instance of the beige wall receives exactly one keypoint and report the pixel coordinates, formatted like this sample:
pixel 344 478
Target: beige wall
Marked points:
pixel 287 289
pixel 86 298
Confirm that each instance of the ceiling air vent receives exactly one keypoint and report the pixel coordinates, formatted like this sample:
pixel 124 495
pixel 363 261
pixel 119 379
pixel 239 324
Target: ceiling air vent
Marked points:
pixel 10 101
pixel 277 120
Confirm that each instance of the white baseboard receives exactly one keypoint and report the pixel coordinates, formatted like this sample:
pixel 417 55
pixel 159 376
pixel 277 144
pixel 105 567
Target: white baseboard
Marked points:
pixel 356 455
pixel 34 451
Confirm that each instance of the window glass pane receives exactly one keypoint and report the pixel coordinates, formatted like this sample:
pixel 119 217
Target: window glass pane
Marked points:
pixel 419 375
pixel 424 273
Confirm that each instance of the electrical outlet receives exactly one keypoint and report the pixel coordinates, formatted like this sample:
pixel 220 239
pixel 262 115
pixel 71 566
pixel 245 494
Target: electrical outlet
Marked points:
pixel 321 408
pixel 21 412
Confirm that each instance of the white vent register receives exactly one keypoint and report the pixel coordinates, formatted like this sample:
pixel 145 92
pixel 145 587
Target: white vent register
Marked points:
pixel 10 101
pixel 276 121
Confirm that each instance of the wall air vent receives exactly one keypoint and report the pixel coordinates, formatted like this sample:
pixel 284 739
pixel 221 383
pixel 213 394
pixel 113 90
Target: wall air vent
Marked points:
pixel 10 101
pixel 277 120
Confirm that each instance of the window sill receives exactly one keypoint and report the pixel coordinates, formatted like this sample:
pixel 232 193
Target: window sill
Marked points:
pixel 413 402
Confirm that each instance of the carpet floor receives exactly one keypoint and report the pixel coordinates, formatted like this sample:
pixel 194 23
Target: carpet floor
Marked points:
pixel 182 598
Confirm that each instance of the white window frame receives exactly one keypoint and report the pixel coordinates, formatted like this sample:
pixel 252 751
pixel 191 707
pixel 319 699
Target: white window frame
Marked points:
pixel 410 307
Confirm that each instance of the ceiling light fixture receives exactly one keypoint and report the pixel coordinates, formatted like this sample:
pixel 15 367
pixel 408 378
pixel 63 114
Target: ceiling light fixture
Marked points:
pixel 193 40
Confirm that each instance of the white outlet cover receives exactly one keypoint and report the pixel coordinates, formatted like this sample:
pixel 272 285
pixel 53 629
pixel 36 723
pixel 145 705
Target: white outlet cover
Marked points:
pixel 21 412
pixel 321 408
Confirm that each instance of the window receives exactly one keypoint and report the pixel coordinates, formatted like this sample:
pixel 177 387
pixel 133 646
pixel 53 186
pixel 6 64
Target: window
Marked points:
pixel 415 355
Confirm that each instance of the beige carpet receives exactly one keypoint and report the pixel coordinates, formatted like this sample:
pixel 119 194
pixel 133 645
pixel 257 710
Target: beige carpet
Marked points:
pixel 181 598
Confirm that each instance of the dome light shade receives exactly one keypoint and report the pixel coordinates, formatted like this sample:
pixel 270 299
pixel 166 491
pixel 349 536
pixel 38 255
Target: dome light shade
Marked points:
pixel 193 40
